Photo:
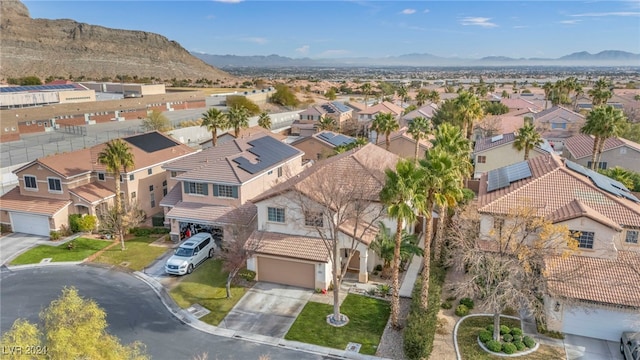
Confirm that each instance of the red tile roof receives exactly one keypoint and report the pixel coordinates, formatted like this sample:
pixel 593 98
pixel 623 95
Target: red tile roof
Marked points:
pixel 14 201
pixel 93 192
pixel 292 246
pixel 581 145
pixel 213 214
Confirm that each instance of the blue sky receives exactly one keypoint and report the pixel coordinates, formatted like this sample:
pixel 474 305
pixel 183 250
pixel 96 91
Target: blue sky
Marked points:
pixel 332 29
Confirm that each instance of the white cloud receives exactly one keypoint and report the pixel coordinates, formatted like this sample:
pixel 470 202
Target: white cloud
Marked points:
pixel 601 14
pixel 257 40
pixel 304 49
pixel 477 21
pixel 229 1
pixel 334 52
pixel 569 22
pixel 408 11
pixel 426 11
pixel 520 27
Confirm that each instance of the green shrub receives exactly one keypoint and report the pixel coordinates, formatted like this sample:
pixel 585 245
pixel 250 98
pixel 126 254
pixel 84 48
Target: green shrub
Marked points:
pixel 74 222
pixel 489 328
pixel 529 342
pixel 451 298
pixel 378 268
pixel 87 223
pixel 494 346
pixel 507 337
pixel 145 231
pixel 485 336
pixel 516 338
pixel 446 305
pixel 509 348
pixel 54 235
pixel 384 289
pixel 519 345
pixel 468 302
pixel 241 101
pixel 157 220
pixel 504 329
pixel 247 274
pixel 462 310
pixel 516 331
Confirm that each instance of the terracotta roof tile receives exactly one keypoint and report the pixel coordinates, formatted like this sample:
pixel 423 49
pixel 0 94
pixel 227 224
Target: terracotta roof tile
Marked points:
pixel 576 209
pixel 292 246
pixel 581 145
pixel 425 143
pixel 213 214
pixel 14 201
pixel 487 143
pixel 93 192
pixel 173 196
pixel 383 107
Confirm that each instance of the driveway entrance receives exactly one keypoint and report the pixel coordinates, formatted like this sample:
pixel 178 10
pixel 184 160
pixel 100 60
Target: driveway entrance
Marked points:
pixel 15 244
pixel 584 348
pixel 267 309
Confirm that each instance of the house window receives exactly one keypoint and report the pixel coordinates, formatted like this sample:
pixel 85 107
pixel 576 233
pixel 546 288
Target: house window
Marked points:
pixel 632 236
pixel 164 188
pixel 30 182
pixel 275 214
pixel 133 194
pixel 150 187
pixel 55 184
pixel 225 191
pixel 153 200
pixel 601 164
pixel 174 174
pixel 280 171
pixel 121 178
pixel 482 159
pixel 196 188
pixel 131 177
pixel 149 171
pixel 558 125
pixel 585 238
pixel 101 176
pixel 312 218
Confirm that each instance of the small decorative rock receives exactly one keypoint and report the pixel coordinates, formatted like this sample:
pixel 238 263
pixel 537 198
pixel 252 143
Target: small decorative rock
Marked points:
pixel 341 321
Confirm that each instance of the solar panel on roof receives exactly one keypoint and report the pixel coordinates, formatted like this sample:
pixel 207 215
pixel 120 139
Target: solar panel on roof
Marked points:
pixel 340 106
pixel 603 182
pixel 518 171
pixel 269 152
pixel 335 139
pixel 497 138
pixel 10 89
pixel 497 179
pixel 504 176
pixel 150 142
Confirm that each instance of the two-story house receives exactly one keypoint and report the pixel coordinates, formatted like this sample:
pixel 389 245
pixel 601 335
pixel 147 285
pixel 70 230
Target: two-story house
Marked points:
pixel 53 187
pixel 293 215
pixel 307 124
pixel 616 152
pixel 593 292
pixel 557 124
pixel 366 116
pixel 321 145
pixel 211 189
pixel 403 144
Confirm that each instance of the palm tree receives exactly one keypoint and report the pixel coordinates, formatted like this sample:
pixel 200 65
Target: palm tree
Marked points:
pixel 468 109
pixel 421 97
pixel 366 90
pixel 214 120
pixel 327 123
pixel 387 125
pixel 433 96
pixel 602 123
pixel 600 92
pixel 419 128
pixel 527 139
pixel 384 246
pixel 402 93
pixel 399 193
pixel 264 120
pixel 238 118
pixel 117 158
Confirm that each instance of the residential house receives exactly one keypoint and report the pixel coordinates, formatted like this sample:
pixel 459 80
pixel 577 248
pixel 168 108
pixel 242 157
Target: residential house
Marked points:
pixel 557 124
pixel 291 217
pixel 307 124
pixel 498 151
pixel 366 116
pixel 403 144
pixel 616 152
pixel 493 125
pixel 594 292
pixel 211 190
pixel 519 104
pixel 426 112
pixel 321 145
pixel 53 187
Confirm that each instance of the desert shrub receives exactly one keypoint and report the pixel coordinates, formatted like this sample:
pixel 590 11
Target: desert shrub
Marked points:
pixel 516 337
pixel 468 302
pixel 504 329
pixel 462 310
pixel 64 230
pixel 239 100
pixel 519 345
pixel 507 337
pixel 485 336
pixel 494 346
pixel 54 235
pixel 247 274
pixel 384 289
pixel 509 348
pixel 529 342
pixel 516 331
pixel 446 305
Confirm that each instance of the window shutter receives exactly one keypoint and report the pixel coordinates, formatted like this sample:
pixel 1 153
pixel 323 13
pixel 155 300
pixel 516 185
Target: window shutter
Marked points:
pixel 205 189
pixel 234 192
pixel 186 187
pixel 215 190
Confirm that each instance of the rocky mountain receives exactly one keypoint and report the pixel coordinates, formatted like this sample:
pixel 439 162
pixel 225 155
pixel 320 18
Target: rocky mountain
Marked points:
pixel 65 47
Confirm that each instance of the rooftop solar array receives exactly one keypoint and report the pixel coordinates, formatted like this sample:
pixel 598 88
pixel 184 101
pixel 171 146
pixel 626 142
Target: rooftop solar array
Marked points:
pixel 10 89
pixel 603 182
pixel 328 108
pixel 335 139
pixel 504 176
pixel 269 152
pixel 151 142
pixel 341 107
pixel 497 138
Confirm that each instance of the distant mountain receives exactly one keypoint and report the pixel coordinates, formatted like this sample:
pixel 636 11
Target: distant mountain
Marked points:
pixel 603 58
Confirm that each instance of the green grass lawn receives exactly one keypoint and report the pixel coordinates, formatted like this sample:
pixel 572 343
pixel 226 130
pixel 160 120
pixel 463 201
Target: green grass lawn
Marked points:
pixel 469 348
pixel 83 248
pixel 206 286
pixel 138 253
pixel 367 319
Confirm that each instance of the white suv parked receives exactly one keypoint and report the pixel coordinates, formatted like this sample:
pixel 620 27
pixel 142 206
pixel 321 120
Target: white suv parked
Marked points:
pixel 190 254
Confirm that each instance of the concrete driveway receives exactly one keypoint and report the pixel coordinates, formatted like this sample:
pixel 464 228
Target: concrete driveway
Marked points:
pixel 15 244
pixel 267 309
pixel 584 348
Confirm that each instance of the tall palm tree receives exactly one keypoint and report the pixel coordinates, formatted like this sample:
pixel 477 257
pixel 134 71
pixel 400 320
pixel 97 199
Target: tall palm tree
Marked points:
pixel 468 110
pixel 264 120
pixel 384 246
pixel 402 93
pixel 527 138
pixel 327 123
pixel 387 125
pixel 433 96
pixel 602 123
pixel 366 90
pixel 238 118
pixel 600 92
pixel 214 120
pixel 400 195
pixel 419 129
pixel 421 97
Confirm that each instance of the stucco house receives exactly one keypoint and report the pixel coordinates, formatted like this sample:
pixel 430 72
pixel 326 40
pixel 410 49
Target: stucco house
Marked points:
pixel 291 217
pixel 616 152
pixel 426 111
pixel 53 187
pixel 557 124
pixel 602 299
pixel 321 145
pixel 308 120
pixel 366 116
pixel 403 144
pixel 211 190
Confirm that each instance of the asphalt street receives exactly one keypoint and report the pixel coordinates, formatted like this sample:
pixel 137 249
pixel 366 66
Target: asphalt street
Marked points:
pixel 134 312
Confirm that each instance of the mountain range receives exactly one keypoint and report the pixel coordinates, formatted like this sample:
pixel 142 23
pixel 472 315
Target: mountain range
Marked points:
pixel 583 58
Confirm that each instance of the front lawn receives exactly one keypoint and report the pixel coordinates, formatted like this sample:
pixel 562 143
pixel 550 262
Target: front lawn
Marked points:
pixel 138 253
pixel 367 319
pixel 206 286
pixel 469 348
pixel 82 248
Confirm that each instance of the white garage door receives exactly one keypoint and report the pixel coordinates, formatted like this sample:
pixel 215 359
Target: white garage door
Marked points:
pixel 30 224
pixel 599 323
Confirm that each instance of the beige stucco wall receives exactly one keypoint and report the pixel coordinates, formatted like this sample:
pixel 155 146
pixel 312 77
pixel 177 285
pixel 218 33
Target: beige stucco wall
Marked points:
pixel 604 237
pixel 500 156
pixel 624 157
pixel 140 185
pixel 402 147
pixel 42 174
pixel 314 149
pixel 76 96
pixel 60 218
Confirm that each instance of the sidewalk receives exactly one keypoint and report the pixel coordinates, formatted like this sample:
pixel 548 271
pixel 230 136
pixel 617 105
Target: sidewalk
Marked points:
pixel 411 275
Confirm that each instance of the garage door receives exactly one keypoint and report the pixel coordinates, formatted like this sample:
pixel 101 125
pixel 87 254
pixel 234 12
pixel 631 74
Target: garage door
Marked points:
pixel 599 323
pixel 30 224
pixel 286 272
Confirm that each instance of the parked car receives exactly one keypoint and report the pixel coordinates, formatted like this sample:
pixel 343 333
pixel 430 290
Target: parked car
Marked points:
pixel 630 345
pixel 190 254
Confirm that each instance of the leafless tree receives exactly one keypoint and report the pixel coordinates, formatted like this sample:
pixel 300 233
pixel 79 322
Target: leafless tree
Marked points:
pixel 490 126
pixel 119 221
pixel 237 249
